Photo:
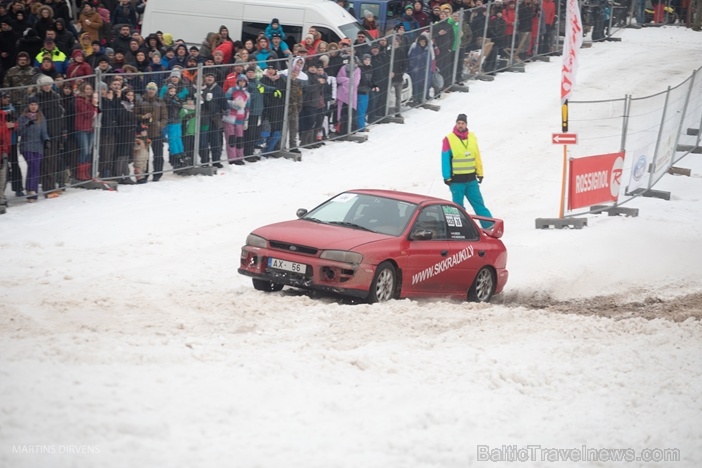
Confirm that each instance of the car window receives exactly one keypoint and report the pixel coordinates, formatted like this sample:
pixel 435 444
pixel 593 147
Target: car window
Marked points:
pixel 382 215
pixel 374 213
pixel 372 7
pixel 446 222
pixel 431 218
pixel 350 30
pixel 459 226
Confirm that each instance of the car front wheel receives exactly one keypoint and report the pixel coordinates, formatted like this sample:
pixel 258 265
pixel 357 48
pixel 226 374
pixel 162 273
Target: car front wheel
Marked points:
pixel 384 283
pixel 483 286
pixel 265 285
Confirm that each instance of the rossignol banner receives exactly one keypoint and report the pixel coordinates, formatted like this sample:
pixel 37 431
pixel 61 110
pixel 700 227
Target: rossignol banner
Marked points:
pixel 571 45
pixel 595 179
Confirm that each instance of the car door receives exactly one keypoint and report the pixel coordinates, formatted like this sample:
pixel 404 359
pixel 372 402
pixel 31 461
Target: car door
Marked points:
pixel 423 275
pixel 465 255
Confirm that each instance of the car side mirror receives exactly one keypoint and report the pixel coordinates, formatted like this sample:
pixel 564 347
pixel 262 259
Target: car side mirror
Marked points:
pixel 421 234
pixel 301 212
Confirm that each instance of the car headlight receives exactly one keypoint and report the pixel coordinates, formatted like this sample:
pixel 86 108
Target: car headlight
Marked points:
pixel 256 241
pixel 342 256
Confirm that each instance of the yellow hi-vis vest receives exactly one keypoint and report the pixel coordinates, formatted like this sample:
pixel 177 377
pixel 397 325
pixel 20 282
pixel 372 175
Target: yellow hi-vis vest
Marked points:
pixel 465 155
pixel 56 56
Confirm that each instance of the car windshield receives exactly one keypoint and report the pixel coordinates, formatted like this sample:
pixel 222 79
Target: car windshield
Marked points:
pixel 351 29
pixel 366 212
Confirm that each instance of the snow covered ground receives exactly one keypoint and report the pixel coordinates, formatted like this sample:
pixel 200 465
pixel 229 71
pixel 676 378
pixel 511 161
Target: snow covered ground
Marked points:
pixel 128 338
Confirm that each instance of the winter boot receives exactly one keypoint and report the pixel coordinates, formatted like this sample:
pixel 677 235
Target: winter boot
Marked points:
pixel 83 172
pixel 239 156
pixel 307 137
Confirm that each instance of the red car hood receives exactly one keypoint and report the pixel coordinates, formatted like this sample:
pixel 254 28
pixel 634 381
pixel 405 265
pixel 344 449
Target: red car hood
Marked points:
pixel 321 236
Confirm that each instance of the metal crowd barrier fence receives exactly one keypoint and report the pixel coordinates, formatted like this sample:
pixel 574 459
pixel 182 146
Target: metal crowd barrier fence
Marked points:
pixel 655 131
pixel 129 140
pixel 103 142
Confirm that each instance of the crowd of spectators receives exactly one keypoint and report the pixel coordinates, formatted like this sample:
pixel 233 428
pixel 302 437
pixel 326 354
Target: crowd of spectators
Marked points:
pixel 69 80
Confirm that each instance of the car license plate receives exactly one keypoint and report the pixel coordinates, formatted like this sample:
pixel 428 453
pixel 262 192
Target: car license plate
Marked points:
pixel 287 266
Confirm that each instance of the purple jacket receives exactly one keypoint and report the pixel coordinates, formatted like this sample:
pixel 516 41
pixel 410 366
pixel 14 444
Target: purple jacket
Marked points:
pixel 343 83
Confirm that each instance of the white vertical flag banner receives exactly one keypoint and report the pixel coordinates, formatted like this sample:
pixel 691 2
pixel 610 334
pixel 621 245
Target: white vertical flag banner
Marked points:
pixel 571 46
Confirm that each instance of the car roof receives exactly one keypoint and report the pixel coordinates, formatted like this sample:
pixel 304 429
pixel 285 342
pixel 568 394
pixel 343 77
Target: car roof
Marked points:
pixel 404 196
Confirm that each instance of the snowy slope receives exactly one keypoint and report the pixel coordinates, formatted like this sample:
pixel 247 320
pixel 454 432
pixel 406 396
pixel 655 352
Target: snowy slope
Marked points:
pixel 126 333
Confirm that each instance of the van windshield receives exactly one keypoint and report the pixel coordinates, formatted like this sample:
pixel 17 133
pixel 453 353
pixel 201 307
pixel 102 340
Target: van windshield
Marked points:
pixel 350 30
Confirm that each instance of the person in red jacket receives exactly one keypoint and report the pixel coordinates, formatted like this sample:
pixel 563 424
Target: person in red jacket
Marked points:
pixel 237 71
pixel 227 48
pixel 78 67
pixel 509 15
pixel 548 8
pixel 86 109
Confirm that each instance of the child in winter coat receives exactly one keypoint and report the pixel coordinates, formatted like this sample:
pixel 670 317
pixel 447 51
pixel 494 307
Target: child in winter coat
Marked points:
pixel 34 134
pixel 236 120
pixel 188 117
pixel 274 27
pixel 142 145
pixel 174 128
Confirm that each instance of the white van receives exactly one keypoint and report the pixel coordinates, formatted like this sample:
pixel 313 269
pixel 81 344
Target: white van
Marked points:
pixel 191 20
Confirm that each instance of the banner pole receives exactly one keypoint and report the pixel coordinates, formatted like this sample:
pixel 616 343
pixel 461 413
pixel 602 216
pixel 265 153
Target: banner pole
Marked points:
pixel 564 129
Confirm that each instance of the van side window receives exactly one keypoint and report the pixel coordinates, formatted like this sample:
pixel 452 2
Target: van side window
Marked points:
pixel 328 35
pixel 250 30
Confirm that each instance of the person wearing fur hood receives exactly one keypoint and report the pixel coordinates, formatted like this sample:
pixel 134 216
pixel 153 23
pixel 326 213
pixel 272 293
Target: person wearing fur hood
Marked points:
pixel 45 21
pixel 85 43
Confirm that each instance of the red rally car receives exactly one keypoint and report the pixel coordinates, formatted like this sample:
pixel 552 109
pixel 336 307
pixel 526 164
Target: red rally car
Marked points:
pixel 380 245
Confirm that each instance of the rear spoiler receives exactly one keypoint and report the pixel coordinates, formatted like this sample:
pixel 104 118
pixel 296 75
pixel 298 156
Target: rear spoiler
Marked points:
pixel 495 230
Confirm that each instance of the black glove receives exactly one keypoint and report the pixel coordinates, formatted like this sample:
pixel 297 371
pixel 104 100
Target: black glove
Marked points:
pixel 46 144
pixel 480 179
pixel 30 122
pixel 447 181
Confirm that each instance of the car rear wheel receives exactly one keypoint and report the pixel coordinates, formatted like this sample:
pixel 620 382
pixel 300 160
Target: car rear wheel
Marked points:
pixel 265 285
pixel 483 286
pixel 384 283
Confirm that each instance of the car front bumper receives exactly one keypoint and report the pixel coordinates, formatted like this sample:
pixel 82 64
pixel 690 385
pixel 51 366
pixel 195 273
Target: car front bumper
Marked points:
pixel 320 274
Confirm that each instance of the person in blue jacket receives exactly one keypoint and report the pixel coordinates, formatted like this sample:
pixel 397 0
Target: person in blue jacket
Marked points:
pixel 409 22
pixel 274 27
pixel 264 53
pixel 420 57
